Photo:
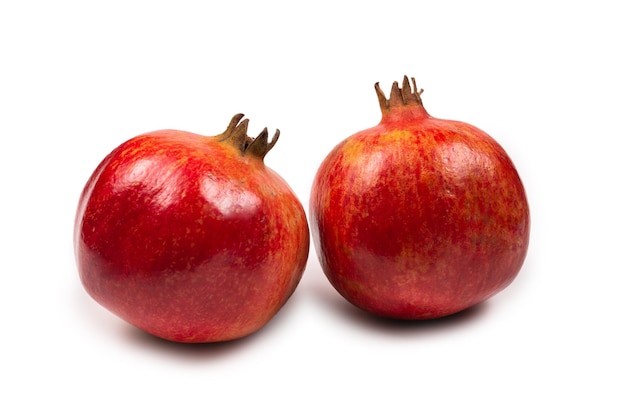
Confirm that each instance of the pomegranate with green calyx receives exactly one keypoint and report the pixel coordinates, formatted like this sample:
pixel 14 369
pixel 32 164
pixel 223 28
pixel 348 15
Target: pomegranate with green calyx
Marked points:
pixel 191 238
pixel 418 217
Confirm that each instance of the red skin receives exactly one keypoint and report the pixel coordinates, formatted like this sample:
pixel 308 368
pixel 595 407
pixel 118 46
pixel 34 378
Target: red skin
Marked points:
pixel 418 217
pixel 188 238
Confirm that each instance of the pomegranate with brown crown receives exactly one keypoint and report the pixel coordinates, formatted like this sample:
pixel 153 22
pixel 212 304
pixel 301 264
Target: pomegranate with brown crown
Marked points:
pixel 191 238
pixel 418 217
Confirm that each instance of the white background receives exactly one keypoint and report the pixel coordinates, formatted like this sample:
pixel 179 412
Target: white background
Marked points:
pixel 545 78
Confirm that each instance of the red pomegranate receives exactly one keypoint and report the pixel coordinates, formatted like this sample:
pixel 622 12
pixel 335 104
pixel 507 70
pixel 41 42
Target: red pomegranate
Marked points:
pixel 418 217
pixel 191 238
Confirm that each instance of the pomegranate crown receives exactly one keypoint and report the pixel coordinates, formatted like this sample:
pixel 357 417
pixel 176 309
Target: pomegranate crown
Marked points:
pixel 236 134
pixel 400 96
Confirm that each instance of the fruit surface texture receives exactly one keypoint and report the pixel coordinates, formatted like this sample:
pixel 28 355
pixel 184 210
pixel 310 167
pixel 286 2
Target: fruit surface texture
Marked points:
pixel 191 238
pixel 418 217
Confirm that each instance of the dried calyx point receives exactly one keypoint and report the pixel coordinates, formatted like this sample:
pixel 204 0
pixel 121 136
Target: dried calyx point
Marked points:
pixel 236 134
pixel 400 96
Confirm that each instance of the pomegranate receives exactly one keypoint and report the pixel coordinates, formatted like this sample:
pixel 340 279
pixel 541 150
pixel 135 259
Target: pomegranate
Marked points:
pixel 191 238
pixel 418 217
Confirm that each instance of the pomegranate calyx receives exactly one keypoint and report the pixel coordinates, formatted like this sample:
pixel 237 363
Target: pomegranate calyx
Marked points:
pixel 236 134
pixel 399 96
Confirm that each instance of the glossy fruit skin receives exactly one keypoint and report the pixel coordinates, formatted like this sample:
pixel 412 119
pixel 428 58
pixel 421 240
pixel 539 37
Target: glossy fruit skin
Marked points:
pixel 418 217
pixel 191 238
